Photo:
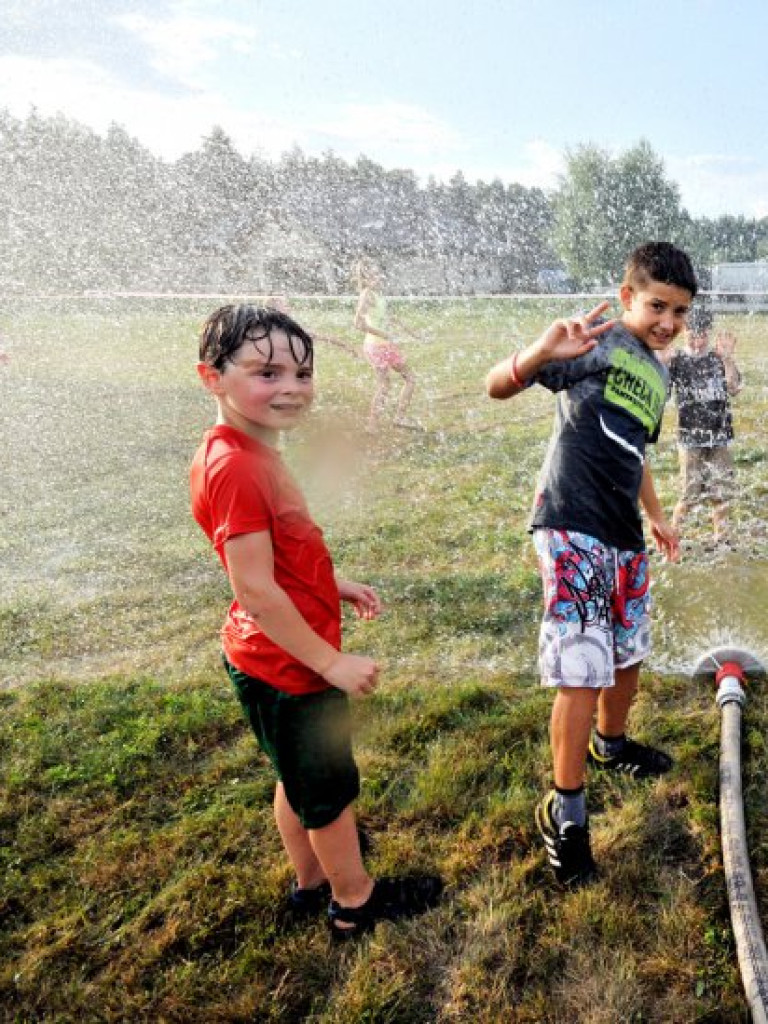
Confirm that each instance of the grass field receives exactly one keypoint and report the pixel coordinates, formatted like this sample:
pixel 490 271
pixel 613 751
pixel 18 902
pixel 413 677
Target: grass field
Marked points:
pixel 142 874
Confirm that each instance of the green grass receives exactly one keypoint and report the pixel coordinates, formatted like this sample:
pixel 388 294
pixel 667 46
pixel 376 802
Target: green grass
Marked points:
pixel 142 873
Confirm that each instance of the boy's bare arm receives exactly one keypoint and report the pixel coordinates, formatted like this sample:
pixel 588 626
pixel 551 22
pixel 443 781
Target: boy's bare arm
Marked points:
pixel 405 328
pixel 725 345
pixel 250 562
pixel 364 599
pixel 665 536
pixel 563 339
pixel 329 340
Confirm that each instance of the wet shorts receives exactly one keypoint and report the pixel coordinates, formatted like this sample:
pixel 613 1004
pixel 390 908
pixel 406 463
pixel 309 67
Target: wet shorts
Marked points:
pixel 383 355
pixel 706 474
pixel 307 738
pixel 596 609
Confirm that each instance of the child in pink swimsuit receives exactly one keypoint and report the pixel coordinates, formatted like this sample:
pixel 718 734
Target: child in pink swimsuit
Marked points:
pixel 380 349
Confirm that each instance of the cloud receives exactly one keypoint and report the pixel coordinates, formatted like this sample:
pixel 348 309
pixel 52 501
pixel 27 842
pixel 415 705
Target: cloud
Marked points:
pixel 88 30
pixel 721 161
pixel 182 45
pixel 168 124
pixel 542 165
pixel 173 123
pixel 539 167
pixel 75 87
pixel 385 131
pixel 169 70
pixel 713 182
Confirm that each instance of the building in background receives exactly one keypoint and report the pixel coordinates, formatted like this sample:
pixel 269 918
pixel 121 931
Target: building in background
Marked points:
pixel 740 287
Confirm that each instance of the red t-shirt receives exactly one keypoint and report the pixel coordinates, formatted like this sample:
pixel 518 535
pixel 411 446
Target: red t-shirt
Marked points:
pixel 239 485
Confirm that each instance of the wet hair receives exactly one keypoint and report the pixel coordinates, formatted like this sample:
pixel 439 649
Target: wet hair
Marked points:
pixel 229 328
pixel 700 318
pixel 661 262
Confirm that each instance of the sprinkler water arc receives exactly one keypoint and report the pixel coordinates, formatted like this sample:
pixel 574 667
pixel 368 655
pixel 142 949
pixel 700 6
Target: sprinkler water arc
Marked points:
pixel 730 667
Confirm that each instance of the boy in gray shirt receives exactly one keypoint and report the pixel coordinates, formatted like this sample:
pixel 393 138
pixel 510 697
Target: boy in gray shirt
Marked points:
pixel 588 533
pixel 703 381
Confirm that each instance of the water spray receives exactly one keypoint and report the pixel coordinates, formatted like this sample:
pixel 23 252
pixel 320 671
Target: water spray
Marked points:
pixel 730 667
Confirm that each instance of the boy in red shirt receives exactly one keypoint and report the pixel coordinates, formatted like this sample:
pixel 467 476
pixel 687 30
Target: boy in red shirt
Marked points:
pixel 282 635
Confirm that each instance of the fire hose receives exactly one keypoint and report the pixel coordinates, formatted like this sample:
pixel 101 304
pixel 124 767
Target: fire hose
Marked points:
pixel 729 667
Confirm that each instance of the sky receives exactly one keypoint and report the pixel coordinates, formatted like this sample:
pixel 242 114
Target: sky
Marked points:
pixel 494 88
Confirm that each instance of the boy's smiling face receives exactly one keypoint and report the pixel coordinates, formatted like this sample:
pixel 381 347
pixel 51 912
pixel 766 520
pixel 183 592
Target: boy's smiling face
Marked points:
pixel 262 389
pixel 655 313
pixel 698 343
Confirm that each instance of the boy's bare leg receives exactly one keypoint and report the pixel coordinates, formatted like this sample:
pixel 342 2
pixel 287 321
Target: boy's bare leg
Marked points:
pixel 573 712
pixel 720 519
pixel 561 817
pixel 406 394
pixel 678 515
pixel 379 398
pixel 615 701
pixel 331 853
pixel 309 871
pixel 337 848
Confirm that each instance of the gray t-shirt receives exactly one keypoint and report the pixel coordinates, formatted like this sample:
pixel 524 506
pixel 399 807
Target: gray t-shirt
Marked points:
pixel 609 405
pixel 703 402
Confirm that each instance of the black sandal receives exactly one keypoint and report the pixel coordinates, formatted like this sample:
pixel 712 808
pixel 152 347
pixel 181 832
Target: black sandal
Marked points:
pixel 301 904
pixel 391 900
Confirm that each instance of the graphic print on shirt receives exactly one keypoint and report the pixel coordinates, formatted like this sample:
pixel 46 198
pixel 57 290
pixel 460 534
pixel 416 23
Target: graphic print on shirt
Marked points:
pixel 637 387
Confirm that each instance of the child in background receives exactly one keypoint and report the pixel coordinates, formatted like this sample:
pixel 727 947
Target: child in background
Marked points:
pixel 704 381
pixel 588 533
pixel 282 635
pixel 380 347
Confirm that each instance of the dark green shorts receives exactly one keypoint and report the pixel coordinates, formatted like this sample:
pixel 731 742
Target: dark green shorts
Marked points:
pixel 308 740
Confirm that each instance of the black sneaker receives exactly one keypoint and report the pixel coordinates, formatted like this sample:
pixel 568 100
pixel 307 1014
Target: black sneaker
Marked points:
pixel 568 848
pixel 634 759
pixel 391 900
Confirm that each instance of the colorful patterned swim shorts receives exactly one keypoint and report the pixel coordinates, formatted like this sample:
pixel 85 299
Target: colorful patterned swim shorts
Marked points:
pixel 596 609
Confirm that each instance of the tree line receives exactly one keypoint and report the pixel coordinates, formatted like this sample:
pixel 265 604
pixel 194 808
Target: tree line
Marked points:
pixel 82 211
